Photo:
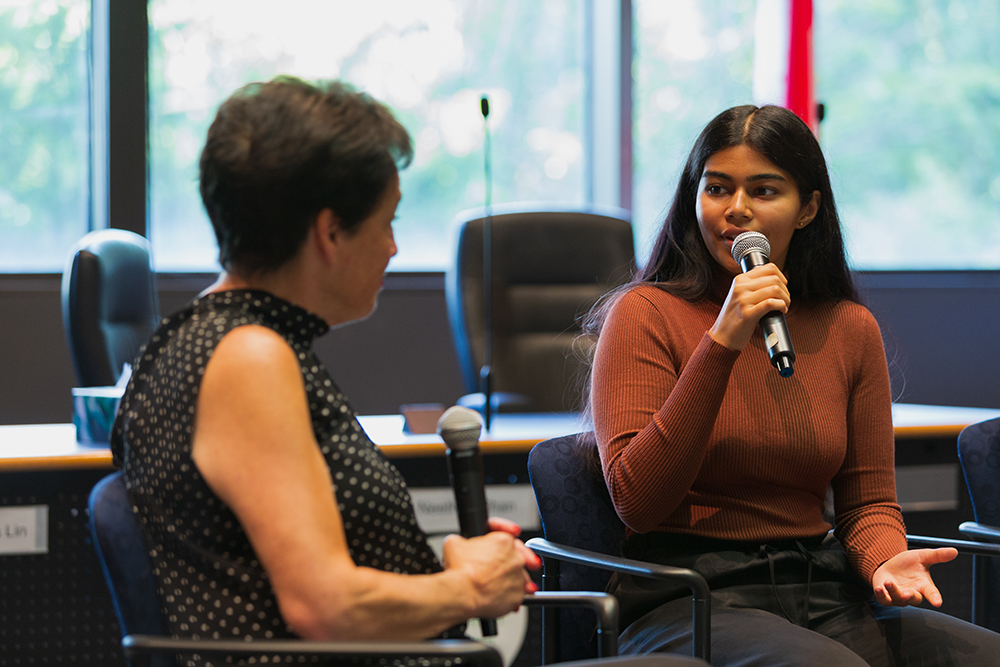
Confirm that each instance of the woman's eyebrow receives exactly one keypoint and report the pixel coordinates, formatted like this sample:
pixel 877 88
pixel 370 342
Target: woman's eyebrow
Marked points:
pixel 766 177
pixel 755 177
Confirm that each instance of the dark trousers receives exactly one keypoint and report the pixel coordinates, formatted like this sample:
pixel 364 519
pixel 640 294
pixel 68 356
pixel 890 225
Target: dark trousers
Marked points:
pixel 637 661
pixel 792 603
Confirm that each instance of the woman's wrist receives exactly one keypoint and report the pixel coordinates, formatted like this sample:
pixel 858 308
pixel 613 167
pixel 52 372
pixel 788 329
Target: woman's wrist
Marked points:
pixel 459 591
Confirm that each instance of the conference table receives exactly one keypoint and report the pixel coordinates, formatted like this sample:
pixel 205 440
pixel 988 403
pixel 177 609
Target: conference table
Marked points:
pixel 54 446
pixel 54 605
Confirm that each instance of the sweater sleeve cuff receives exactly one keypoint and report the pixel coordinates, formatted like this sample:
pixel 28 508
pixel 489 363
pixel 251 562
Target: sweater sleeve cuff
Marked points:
pixel 872 542
pixel 714 355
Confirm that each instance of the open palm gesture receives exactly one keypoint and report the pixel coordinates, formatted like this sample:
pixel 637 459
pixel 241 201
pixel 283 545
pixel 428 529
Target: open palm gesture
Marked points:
pixel 905 578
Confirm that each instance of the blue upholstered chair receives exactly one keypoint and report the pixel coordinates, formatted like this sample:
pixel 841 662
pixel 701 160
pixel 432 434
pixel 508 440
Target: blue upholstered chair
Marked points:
pixel 979 454
pixel 128 571
pixel 583 537
pixel 582 529
pixel 110 305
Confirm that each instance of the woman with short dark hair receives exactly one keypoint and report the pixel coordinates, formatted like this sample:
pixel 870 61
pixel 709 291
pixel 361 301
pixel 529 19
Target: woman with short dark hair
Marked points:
pixel 267 510
pixel 716 462
pixel 280 152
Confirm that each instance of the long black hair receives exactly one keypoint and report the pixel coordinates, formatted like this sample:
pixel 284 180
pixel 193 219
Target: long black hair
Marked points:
pixel 680 263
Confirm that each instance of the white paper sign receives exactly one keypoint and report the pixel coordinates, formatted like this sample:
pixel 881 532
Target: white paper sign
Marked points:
pixel 24 530
pixel 435 506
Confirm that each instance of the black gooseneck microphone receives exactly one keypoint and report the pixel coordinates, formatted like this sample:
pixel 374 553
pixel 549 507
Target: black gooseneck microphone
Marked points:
pixel 750 250
pixel 459 428
pixel 486 372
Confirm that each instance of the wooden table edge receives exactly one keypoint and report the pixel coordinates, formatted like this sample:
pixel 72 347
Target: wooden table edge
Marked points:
pixel 99 458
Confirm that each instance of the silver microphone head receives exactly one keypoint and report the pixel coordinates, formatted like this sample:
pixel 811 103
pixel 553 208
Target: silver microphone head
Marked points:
pixel 459 427
pixel 748 242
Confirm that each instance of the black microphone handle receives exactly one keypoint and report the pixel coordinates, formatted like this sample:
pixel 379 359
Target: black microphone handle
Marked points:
pixel 773 326
pixel 778 342
pixel 465 468
pixel 752 260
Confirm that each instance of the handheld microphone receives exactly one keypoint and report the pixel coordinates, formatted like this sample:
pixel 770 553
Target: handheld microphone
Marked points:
pixel 459 428
pixel 750 250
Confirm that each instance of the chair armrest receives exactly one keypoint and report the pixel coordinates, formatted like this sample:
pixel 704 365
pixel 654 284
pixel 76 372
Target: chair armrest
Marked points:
pixel 603 604
pixel 700 594
pixel 694 581
pixel 963 546
pixel 980 531
pixel 978 551
pixel 471 652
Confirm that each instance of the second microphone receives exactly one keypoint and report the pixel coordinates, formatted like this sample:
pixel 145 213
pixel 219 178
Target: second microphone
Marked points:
pixel 459 428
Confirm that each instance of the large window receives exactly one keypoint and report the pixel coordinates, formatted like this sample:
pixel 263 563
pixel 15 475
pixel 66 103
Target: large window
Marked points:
pixel 912 91
pixel 430 60
pixel 44 132
pixel 693 58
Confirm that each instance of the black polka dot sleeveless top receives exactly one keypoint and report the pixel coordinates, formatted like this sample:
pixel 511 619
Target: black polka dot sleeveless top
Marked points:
pixel 210 581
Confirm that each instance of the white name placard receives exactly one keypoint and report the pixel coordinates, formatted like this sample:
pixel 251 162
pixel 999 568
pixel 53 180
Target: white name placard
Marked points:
pixel 24 530
pixel 435 506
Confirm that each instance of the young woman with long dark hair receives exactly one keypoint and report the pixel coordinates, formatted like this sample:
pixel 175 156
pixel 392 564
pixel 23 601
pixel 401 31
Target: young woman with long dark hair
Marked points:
pixel 716 462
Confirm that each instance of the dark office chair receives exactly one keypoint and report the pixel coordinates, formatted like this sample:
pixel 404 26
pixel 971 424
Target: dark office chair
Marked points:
pixel 109 303
pixel 129 574
pixel 583 537
pixel 549 267
pixel 979 454
pixel 577 512
pixel 128 571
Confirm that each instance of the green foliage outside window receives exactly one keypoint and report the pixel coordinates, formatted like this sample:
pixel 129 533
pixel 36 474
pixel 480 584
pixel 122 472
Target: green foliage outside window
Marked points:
pixel 912 129
pixel 430 60
pixel 692 60
pixel 912 134
pixel 44 132
pixel 911 89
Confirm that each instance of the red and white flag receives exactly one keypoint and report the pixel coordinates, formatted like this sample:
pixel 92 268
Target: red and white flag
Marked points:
pixel 783 57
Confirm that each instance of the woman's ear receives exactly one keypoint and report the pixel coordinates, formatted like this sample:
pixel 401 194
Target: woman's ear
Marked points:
pixel 326 234
pixel 809 210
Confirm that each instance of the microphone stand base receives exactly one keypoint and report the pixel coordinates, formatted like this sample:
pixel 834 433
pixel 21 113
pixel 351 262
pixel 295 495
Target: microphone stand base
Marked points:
pixel 500 402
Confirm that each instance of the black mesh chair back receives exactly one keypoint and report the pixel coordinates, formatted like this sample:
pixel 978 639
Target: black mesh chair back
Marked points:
pixel 109 302
pixel 576 511
pixel 979 454
pixel 549 267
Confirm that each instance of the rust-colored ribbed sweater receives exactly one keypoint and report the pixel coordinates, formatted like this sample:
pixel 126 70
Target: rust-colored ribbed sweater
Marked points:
pixel 697 438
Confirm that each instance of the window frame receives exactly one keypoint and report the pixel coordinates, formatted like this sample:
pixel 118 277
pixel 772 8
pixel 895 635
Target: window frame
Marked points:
pixel 119 115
